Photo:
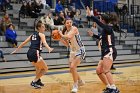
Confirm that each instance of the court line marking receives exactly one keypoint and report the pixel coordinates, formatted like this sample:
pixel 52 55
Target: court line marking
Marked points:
pixel 62 72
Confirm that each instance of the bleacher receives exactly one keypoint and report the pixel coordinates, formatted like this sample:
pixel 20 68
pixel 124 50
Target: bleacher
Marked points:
pixel 126 48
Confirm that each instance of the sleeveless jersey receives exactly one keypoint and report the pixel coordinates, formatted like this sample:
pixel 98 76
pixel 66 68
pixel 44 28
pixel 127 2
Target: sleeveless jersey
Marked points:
pixel 75 42
pixel 36 41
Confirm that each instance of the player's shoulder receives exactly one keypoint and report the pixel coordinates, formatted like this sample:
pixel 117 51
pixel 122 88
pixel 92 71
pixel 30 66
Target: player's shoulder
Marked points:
pixel 41 34
pixel 75 28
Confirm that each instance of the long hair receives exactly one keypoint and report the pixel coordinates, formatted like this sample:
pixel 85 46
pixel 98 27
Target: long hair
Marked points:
pixel 106 18
pixel 39 23
pixel 65 29
pixel 114 18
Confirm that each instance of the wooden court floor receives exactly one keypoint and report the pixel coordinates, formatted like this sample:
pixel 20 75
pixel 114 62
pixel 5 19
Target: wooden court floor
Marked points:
pixel 127 79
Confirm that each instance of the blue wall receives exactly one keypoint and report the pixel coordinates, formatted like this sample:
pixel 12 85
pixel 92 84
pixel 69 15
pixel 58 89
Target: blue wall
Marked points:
pixel 105 6
pixel 101 5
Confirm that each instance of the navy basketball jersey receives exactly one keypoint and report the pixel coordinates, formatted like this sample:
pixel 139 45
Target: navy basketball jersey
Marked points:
pixel 108 38
pixel 36 41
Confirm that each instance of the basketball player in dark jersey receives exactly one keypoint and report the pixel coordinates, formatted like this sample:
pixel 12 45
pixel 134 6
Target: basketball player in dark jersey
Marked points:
pixel 108 53
pixel 37 39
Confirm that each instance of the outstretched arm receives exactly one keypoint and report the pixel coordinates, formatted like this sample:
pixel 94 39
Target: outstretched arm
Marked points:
pixel 22 44
pixel 95 19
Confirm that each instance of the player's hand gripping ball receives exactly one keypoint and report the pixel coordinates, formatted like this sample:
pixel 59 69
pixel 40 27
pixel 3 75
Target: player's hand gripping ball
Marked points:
pixel 56 35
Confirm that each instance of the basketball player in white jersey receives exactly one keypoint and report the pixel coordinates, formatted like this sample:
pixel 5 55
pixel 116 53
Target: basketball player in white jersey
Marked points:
pixel 71 38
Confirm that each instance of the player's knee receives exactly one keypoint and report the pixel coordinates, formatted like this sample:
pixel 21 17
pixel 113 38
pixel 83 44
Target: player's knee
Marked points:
pixel 72 68
pixel 42 70
pixel 45 69
pixel 106 71
pixel 99 70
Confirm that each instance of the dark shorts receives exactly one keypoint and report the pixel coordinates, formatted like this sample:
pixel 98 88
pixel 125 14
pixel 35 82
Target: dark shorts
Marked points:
pixel 33 55
pixel 107 53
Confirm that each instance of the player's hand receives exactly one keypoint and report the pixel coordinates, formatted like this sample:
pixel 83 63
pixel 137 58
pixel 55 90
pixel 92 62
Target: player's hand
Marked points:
pixel 90 33
pixel 60 32
pixel 51 49
pixel 13 52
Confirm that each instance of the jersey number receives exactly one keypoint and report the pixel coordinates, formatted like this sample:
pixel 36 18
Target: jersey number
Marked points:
pixel 34 37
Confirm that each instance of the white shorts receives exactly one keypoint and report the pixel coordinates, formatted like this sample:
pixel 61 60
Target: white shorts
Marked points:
pixel 81 53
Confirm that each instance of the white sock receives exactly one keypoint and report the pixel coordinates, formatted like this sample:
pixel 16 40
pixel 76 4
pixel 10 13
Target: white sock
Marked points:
pixel 113 86
pixel 35 80
pixel 108 86
pixel 75 84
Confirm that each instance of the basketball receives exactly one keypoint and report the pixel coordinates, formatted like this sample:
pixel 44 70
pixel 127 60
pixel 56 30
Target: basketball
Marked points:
pixel 56 35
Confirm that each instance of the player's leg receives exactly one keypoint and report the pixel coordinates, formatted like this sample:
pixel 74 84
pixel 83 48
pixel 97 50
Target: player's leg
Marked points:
pixel 106 67
pixel 108 60
pixel 100 73
pixel 41 68
pixel 74 62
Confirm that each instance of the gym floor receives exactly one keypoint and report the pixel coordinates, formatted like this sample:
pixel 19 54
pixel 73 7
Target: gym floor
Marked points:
pixel 126 77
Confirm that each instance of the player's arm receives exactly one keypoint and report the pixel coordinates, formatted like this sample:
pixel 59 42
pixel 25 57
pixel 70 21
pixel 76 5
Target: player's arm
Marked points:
pixel 99 45
pixel 95 19
pixel 22 44
pixel 70 35
pixel 43 39
pixel 65 42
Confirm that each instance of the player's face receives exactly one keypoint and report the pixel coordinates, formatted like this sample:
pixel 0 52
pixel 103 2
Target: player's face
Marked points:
pixel 68 23
pixel 42 28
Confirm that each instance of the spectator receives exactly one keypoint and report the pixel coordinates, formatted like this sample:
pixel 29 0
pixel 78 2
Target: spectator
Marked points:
pixel 69 4
pixel 37 8
pixel 11 35
pixel 56 20
pixel 61 18
pixel 48 21
pixel 116 9
pixel 95 12
pixel 94 29
pixel 33 9
pixel 43 19
pixel 30 9
pixel 124 9
pixel 1 32
pixel 44 4
pixel 77 19
pixel 58 7
pixel 73 12
pixel 7 4
pixel 1 5
pixel 5 21
pixel 23 9
pixel 66 12
pixel 2 56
